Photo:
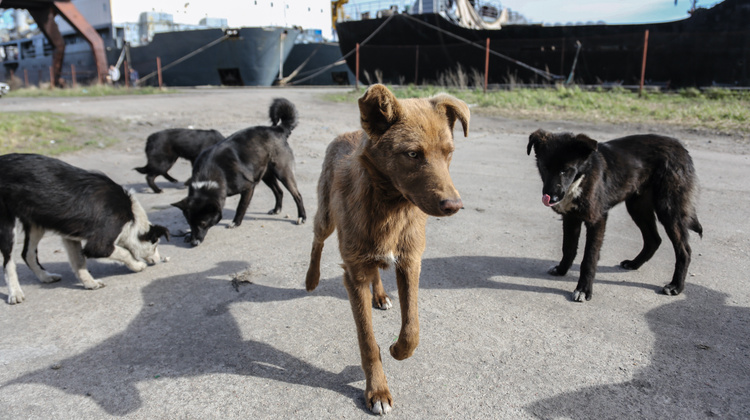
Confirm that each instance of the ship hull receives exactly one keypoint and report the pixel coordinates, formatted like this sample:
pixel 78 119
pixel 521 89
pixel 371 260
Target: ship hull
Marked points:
pixel 712 47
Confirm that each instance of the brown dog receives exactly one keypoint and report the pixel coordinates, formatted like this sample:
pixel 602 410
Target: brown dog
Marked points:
pixel 377 187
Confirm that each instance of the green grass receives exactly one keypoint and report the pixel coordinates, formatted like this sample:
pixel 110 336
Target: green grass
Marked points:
pixel 719 110
pixel 93 90
pixel 50 133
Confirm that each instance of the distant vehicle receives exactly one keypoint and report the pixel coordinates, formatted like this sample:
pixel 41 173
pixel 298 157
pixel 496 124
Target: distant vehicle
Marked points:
pixel 4 88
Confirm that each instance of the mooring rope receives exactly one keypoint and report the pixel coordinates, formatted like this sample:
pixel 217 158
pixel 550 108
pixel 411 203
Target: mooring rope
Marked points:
pixel 547 75
pixel 181 59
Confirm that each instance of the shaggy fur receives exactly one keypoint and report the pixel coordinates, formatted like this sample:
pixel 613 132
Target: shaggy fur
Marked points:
pixel 236 165
pixel 164 147
pixel 583 179
pixel 45 194
pixel 377 188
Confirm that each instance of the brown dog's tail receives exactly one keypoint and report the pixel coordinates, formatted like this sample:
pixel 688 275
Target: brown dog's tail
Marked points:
pixel 283 111
pixel 695 225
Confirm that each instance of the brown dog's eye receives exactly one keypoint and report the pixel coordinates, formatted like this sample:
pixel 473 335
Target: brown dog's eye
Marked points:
pixel 412 155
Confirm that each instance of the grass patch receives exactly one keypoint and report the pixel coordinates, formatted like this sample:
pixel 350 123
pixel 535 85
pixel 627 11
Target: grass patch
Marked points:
pixel 719 110
pixel 51 133
pixel 93 91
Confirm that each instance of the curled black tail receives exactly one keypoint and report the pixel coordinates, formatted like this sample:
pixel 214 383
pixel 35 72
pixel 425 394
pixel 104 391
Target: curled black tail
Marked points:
pixel 284 111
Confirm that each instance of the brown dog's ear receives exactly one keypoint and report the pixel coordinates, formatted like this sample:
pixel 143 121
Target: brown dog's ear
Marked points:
pixel 455 109
pixel 379 110
pixel 154 233
pixel 588 142
pixel 182 204
pixel 536 138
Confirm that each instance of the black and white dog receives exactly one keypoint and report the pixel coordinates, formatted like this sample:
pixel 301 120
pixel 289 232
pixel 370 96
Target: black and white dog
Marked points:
pixel 45 194
pixel 583 179
pixel 164 147
pixel 236 165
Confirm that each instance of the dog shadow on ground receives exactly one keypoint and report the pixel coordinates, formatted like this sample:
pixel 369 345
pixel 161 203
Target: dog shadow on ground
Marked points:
pixel 699 368
pixel 510 273
pixel 186 331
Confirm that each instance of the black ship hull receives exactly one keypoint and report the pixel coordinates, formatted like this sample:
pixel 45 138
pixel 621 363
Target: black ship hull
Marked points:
pixel 712 47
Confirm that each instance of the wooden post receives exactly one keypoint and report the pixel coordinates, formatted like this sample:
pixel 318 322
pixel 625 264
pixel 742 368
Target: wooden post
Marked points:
pixel 643 65
pixel 126 73
pixel 73 74
pixel 486 64
pixel 356 70
pixel 416 67
pixel 158 70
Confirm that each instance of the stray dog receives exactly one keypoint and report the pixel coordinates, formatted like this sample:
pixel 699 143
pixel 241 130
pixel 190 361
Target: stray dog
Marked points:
pixel 377 187
pixel 583 179
pixel 236 165
pixel 164 147
pixel 46 194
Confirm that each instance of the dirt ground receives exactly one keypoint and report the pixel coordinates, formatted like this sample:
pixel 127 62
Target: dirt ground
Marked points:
pixel 226 330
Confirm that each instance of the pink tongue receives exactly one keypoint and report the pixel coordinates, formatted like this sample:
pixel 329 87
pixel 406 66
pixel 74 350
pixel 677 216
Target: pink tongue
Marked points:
pixel 545 200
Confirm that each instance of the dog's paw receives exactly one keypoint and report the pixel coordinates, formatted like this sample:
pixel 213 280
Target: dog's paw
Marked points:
pixel 580 295
pixel 16 297
pixel 94 284
pixel 50 278
pixel 137 266
pixel 556 271
pixel 301 220
pixel 671 290
pixel 232 225
pixel 383 303
pixel 274 211
pixel 380 403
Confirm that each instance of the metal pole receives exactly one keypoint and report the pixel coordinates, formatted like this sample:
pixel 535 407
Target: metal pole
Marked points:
pixel 643 65
pixel 73 74
pixel 26 77
pixel 486 64
pixel 356 68
pixel 51 78
pixel 158 70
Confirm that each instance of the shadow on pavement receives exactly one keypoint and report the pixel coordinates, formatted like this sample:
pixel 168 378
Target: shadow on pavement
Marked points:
pixel 700 368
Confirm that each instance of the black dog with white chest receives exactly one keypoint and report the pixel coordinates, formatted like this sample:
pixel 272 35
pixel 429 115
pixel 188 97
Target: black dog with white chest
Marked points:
pixel 583 179
pixel 46 194
pixel 163 148
pixel 236 165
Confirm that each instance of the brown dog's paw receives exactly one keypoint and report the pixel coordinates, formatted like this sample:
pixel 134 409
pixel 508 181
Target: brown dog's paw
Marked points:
pixel 379 402
pixel 382 302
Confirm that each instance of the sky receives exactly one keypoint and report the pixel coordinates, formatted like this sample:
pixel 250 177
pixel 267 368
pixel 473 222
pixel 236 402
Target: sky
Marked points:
pixel 536 11
pixel 609 11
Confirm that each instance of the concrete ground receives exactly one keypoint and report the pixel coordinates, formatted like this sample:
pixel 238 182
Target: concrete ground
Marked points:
pixel 226 330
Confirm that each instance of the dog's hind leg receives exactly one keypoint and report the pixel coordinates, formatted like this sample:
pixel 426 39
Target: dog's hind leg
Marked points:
pixel 571 234
pixel 379 298
pixel 150 181
pixel 270 179
pixel 78 264
pixel 641 209
pixel 357 281
pixel 323 227
pixel 7 241
pixel 30 256
pixel 407 277
pixel 286 176
pixel 677 230
pixel 594 239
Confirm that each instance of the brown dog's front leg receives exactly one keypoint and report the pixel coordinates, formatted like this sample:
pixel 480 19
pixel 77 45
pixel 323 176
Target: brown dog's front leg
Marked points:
pixel 357 282
pixel 407 277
